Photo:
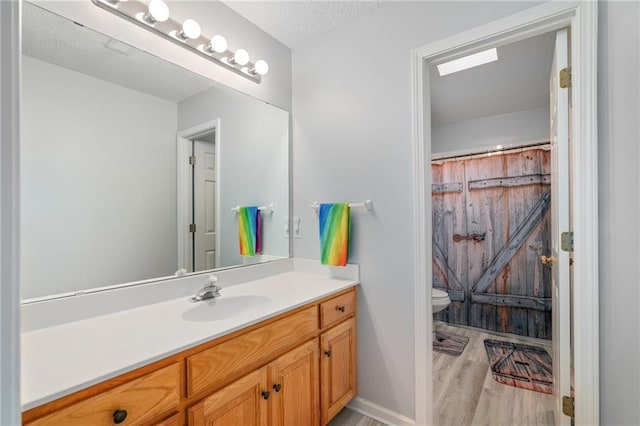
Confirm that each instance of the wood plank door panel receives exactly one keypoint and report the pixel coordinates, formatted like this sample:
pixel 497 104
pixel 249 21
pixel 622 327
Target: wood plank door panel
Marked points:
pixel 449 213
pixel 527 273
pixel 489 237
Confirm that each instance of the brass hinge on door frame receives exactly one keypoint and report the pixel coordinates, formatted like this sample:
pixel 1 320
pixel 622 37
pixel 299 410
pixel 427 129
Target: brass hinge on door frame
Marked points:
pixel 565 78
pixel 566 241
pixel 192 227
pixel 192 160
pixel 569 406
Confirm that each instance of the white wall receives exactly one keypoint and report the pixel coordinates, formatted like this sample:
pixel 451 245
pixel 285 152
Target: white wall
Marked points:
pixel 351 142
pixel 619 175
pixel 504 129
pixel 9 213
pixel 254 161
pixel 214 17
pixel 98 182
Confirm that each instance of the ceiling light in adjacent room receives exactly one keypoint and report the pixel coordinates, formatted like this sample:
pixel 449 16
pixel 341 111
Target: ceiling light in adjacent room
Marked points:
pixel 467 62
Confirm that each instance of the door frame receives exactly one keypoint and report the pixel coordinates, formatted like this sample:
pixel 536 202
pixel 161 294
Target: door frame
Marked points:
pixel 581 18
pixel 184 190
pixel 10 49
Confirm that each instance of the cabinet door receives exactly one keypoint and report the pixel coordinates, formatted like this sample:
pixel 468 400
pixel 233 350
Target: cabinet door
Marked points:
pixel 294 379
pixel 339 368
pixel 243 402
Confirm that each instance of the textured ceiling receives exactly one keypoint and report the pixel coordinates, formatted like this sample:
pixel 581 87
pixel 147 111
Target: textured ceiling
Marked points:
pixel 297 21
pixel 51 38
pixel 518 81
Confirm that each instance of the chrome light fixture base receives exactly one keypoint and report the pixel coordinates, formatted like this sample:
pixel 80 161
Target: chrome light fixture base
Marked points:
pixel 136 12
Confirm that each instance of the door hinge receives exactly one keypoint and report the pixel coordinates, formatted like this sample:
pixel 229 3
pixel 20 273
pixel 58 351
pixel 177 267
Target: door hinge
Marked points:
pixel 568 406
pixel 566 241
pixel 565 78
pixel 192 160
pixel 192 227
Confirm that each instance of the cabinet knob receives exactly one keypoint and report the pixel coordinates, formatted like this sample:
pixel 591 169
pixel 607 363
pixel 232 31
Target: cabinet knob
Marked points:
pixel 119 416
pixel 277 387
pixel 327 353
pixel 266 394
pixel 340 308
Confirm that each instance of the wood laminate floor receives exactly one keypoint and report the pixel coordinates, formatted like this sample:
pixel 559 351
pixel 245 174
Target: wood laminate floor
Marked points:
pixel 465 393
pixel 348 417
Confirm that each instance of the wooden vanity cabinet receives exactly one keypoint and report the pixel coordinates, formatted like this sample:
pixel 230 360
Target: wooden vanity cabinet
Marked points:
pixel 133 403
pixel 282 393
pixel 294 381
pixel 339 358
pixel 243 402
pixel 297 369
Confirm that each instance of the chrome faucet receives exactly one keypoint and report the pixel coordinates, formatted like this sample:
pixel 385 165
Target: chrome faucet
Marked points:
pixel 209 291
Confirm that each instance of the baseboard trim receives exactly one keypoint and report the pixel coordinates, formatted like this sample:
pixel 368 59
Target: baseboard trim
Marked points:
pixel 379 413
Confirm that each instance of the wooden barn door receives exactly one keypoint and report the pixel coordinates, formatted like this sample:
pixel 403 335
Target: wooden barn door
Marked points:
pixel 491 224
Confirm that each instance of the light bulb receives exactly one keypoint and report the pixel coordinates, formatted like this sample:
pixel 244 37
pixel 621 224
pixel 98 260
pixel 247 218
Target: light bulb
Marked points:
pixel 158 10
pixel 191 29
pixel 241 57
pixel 261 67
pixel 218 44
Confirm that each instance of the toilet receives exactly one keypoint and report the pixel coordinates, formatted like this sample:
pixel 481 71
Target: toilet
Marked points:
pixel 439 300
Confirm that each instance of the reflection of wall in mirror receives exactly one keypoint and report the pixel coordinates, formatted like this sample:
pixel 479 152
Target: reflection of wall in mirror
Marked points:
pixel 93 217
pixel 254 164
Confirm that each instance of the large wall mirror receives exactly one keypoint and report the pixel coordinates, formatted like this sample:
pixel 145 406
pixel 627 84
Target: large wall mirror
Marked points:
pixel 105 196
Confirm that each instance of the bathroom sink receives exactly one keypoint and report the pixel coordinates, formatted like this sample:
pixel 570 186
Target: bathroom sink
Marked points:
pixel 224 308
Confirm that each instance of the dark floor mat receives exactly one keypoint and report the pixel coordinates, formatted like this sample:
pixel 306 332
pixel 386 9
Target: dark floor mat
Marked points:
pixel 449 343
pixel 523 366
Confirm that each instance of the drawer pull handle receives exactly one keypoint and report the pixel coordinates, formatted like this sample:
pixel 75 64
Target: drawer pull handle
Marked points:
pixel 277 387
pixel 266 394
pixel 340 308
pixel 327 353
pixel 119 416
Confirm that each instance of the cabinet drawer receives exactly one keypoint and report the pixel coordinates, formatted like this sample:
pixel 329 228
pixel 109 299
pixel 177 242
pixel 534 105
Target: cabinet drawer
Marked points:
pixel 220 364
pixel 337 309
pixel 143 399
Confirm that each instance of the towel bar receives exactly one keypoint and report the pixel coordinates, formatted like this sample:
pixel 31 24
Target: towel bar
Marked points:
pixel 268 208
pixel 367 205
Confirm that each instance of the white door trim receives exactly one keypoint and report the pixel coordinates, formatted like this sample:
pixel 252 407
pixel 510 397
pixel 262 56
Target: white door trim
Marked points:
pixel 10 42
pixel 183 190
pixel 581 17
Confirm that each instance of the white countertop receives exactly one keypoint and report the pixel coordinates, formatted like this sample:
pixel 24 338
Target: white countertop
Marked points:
pixel 65 358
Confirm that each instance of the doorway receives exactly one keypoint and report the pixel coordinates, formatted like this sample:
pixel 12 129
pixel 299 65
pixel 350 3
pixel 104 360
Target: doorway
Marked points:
pixel 203 203
pixel 198 169
pixel 580 19
pixel 502 213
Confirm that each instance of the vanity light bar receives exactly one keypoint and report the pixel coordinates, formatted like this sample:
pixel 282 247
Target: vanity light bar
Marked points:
pixel 155 18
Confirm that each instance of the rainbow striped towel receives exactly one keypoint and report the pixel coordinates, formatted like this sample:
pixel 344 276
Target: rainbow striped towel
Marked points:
pixel 249 230
pixel 334 233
